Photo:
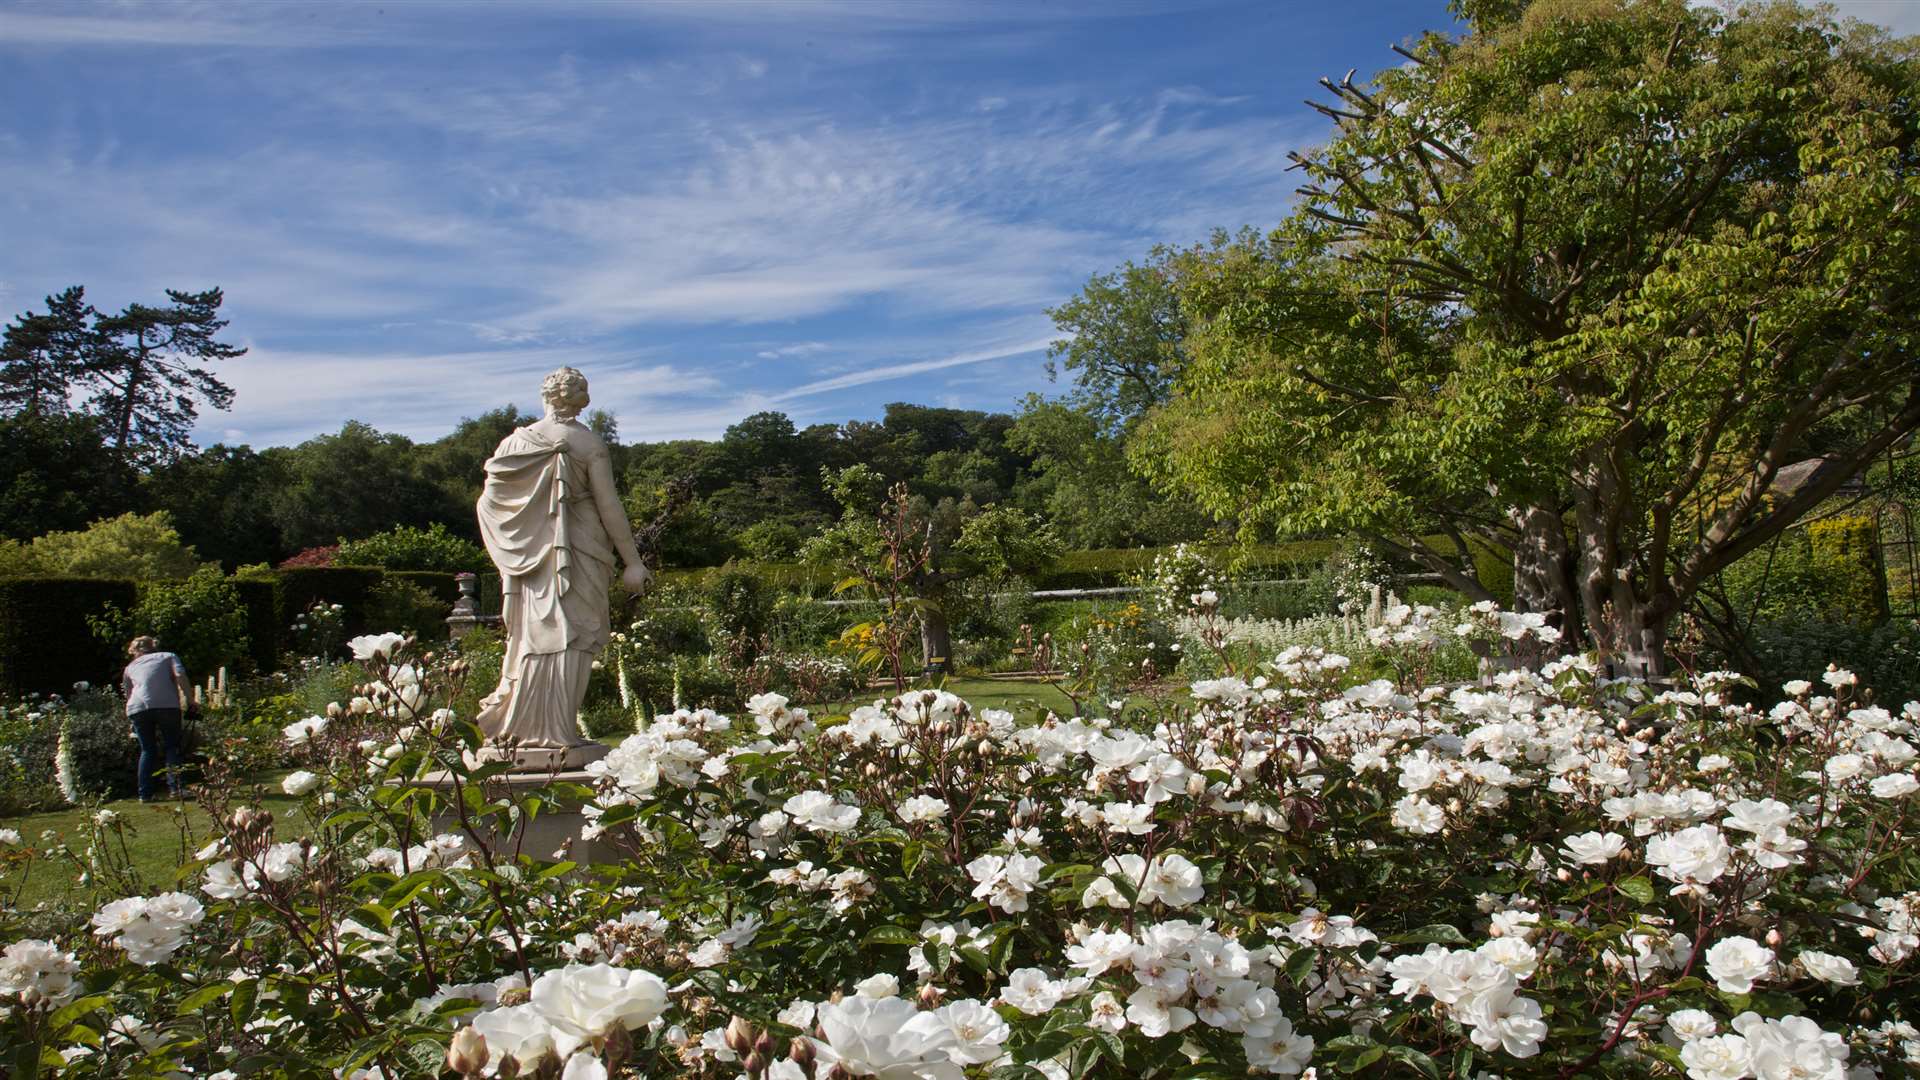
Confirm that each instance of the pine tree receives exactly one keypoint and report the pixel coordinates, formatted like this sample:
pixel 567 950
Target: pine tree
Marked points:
pixel 147 361
pixel 44 358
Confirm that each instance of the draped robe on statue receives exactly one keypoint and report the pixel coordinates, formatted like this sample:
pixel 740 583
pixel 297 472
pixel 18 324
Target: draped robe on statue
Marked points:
pixel 540 524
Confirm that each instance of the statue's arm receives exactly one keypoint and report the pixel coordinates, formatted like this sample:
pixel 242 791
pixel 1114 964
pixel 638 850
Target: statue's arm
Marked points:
pixel 614 516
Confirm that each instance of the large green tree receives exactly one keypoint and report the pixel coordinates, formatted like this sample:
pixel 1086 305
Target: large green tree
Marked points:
pixel 1080 481
pixel 1586 282
pixel 1125 340
pixel 221 500
pixel 354 484
pixel 58 473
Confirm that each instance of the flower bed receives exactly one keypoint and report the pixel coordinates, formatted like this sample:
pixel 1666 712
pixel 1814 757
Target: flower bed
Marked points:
pixel 1547 875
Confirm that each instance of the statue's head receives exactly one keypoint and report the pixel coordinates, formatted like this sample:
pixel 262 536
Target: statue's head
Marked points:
pixel 565 393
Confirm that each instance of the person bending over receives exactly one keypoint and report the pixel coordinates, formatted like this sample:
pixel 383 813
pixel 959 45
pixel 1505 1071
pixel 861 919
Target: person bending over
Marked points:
pixel 157 692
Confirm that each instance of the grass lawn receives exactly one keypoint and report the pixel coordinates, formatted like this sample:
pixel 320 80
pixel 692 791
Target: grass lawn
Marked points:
pixel 158 837
pixel 1020 697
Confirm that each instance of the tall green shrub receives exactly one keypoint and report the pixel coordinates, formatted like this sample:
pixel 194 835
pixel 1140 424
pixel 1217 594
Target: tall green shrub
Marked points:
pixel 202 619
pixel 1845 549
pixel 141 547
pixel 409 548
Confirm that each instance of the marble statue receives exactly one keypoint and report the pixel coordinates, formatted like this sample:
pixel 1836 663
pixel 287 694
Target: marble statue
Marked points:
pixel 553 523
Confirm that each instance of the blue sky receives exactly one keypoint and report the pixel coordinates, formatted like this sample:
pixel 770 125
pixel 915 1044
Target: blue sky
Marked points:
pixel 711 208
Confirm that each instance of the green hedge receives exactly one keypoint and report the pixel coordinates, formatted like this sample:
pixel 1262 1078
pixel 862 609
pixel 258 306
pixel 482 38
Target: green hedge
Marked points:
pixel 1118 566
pixel 267 623
pixel 346 585
pixel 45 643
pixel 1494 567
pixel 1110 567
pixel 438 583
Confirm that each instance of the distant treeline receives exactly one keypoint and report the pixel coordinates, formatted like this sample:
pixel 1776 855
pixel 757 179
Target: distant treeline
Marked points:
pixel 758 491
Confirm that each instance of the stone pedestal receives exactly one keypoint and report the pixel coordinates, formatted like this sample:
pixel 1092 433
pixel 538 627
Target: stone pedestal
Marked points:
pixel 542 760
pixel 466 610
pixel 543 835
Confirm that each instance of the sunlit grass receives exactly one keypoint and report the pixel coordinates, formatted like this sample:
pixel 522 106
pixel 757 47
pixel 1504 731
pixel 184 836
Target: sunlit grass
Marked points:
pixel 153 840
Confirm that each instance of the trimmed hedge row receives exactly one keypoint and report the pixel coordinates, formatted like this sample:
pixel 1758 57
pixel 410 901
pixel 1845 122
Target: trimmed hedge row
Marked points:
pixel 46 644
pixel 265 627
pixel 1109 567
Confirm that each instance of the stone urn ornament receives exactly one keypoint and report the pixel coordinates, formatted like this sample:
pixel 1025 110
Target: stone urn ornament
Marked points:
pixel 553 524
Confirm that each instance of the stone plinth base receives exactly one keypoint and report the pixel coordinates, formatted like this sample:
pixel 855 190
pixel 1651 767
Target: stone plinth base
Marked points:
pixel 542 760
pixel 541 837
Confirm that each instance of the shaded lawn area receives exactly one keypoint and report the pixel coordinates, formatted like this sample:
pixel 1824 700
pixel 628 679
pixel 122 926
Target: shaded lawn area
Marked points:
pixel 153 841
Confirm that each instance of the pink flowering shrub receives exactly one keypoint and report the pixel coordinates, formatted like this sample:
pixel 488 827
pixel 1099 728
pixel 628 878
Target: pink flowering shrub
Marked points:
pixel 1544 874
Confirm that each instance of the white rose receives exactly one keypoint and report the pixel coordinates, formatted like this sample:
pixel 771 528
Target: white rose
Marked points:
pixel 1845 766
pixel 1696 854
pixel 818 811
pixel 370 646
pixel 1894 786
pixel 582 1001
pixel 299 783
pixel 1594 848
pixel 519 1032
pixel 923 808
pixel 878 986
pixel 1687 1025
pixel 1717 1057
pixel 1829 968
pixel 1736 963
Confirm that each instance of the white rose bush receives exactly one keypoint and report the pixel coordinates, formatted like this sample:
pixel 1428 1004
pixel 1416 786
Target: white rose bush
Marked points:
pixel 1281 872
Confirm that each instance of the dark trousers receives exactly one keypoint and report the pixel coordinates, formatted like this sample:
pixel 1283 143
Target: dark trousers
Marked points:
pixel 159 733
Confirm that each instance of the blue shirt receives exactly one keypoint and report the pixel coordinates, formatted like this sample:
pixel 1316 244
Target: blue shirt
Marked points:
pixel 149 684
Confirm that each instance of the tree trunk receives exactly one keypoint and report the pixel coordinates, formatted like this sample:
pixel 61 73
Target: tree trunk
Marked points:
pixel 1640 641
pixel 1627 627
pixel 1544 571
pixel 936 640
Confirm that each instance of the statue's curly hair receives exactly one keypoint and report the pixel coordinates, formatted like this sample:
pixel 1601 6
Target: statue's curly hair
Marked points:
pixel 565 392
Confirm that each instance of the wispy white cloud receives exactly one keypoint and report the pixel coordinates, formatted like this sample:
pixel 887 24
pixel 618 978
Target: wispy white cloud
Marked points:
pixel 172 26
pixel 805 348
pixel 407 243
pixel 282 399
pixel 888 372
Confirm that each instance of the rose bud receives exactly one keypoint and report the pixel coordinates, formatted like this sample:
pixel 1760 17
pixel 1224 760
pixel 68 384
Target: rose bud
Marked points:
pixel 800 1051
pixel 930 996
pixel 467 1054
pixel 619 1045
pixel 739 1035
